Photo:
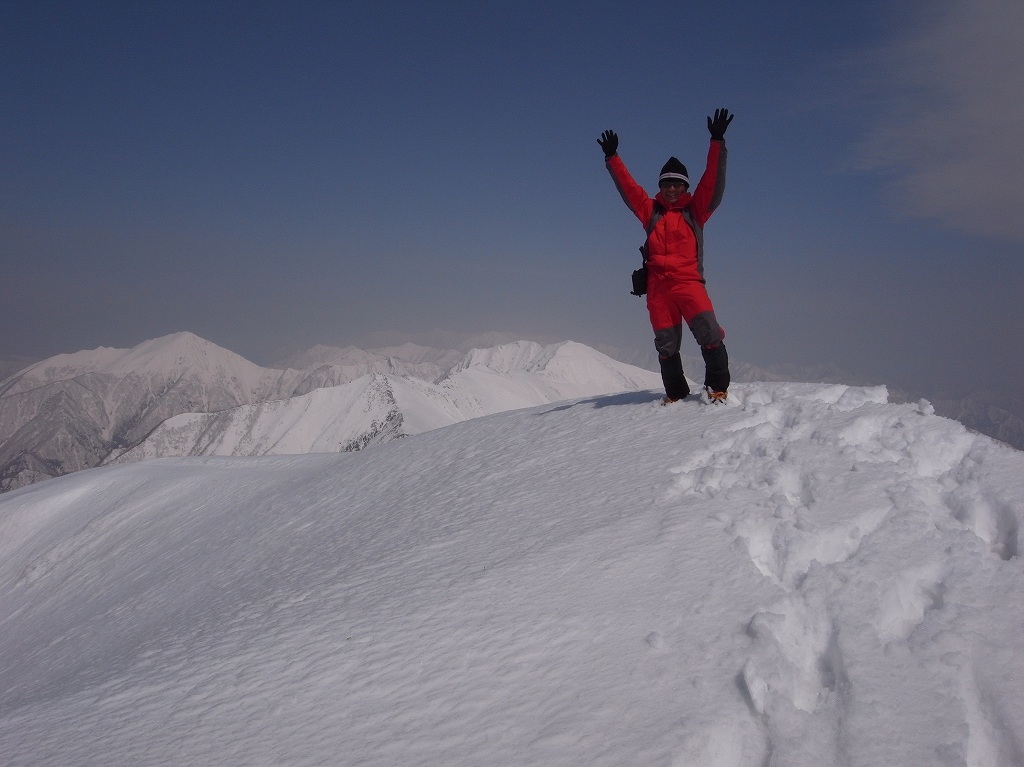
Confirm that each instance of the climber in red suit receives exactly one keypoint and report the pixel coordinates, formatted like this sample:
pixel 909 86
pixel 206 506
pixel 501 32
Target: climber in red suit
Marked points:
pixel 675 258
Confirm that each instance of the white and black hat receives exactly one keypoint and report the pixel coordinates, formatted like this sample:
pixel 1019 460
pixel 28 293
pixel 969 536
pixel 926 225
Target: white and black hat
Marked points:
pixel 674 169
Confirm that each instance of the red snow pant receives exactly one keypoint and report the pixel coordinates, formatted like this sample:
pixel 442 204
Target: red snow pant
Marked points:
pixel 670 304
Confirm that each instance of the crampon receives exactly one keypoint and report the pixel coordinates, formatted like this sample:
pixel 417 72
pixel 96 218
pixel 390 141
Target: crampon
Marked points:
pixel 716 397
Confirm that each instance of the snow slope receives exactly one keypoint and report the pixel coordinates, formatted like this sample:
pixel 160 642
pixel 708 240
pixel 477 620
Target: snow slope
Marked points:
pixel 369 411
pixel 809 576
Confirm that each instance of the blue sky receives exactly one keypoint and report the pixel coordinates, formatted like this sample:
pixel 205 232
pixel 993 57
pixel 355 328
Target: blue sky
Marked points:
pixel 272 175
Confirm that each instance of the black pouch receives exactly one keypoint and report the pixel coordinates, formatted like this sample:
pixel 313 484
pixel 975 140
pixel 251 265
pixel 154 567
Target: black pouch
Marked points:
pixel 639 282
pixel 640 275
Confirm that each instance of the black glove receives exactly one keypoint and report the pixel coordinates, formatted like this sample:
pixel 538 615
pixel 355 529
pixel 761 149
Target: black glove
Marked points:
pixel 609 142
pixel 719 123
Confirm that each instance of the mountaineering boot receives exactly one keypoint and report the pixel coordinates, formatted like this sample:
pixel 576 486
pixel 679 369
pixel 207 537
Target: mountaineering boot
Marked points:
pixel 672 376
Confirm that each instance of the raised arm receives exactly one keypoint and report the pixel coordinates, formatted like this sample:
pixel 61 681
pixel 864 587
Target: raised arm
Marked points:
pixel 711 187
pixel 632 193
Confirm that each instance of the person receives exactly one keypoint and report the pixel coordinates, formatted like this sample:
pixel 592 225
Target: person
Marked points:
pixel 674 256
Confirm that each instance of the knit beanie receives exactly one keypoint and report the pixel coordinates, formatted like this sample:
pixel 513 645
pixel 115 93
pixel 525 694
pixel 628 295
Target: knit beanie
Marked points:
pixel 674 169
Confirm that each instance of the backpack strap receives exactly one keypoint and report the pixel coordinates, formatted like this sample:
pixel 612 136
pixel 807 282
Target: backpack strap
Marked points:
pixel 656 216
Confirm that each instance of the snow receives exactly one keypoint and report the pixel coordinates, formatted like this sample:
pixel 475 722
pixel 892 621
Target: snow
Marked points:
pixel 807 576
pixel 377 408
pixel 183 395
pixel 181 353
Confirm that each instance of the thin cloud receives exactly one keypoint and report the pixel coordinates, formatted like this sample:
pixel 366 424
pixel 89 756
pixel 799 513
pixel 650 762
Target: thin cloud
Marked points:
pixel 952 99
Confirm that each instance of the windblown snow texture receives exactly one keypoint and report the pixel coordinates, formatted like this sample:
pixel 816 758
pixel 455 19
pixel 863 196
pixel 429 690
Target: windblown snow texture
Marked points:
pixel 807 576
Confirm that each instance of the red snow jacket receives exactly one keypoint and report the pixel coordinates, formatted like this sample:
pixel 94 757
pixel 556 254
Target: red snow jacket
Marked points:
pixel 676 244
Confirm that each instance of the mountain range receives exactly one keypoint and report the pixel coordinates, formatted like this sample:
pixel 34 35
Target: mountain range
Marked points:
pixel 183 395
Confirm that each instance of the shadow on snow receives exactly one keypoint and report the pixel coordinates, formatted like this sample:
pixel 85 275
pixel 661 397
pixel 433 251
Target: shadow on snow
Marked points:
pixel 611 400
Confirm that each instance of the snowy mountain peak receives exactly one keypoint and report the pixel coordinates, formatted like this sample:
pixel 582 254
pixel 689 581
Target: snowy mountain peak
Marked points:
pixel 568 362
pixel 506 358
pixel 175 354
pixel 529 356
pixel 187 354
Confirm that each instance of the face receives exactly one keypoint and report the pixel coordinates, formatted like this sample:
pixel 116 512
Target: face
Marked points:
pixel 671 189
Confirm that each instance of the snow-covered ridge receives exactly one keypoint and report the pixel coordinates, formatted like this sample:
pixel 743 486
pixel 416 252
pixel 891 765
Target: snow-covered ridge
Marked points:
pixel 366 412
pixel 81 410
pixel 808 576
